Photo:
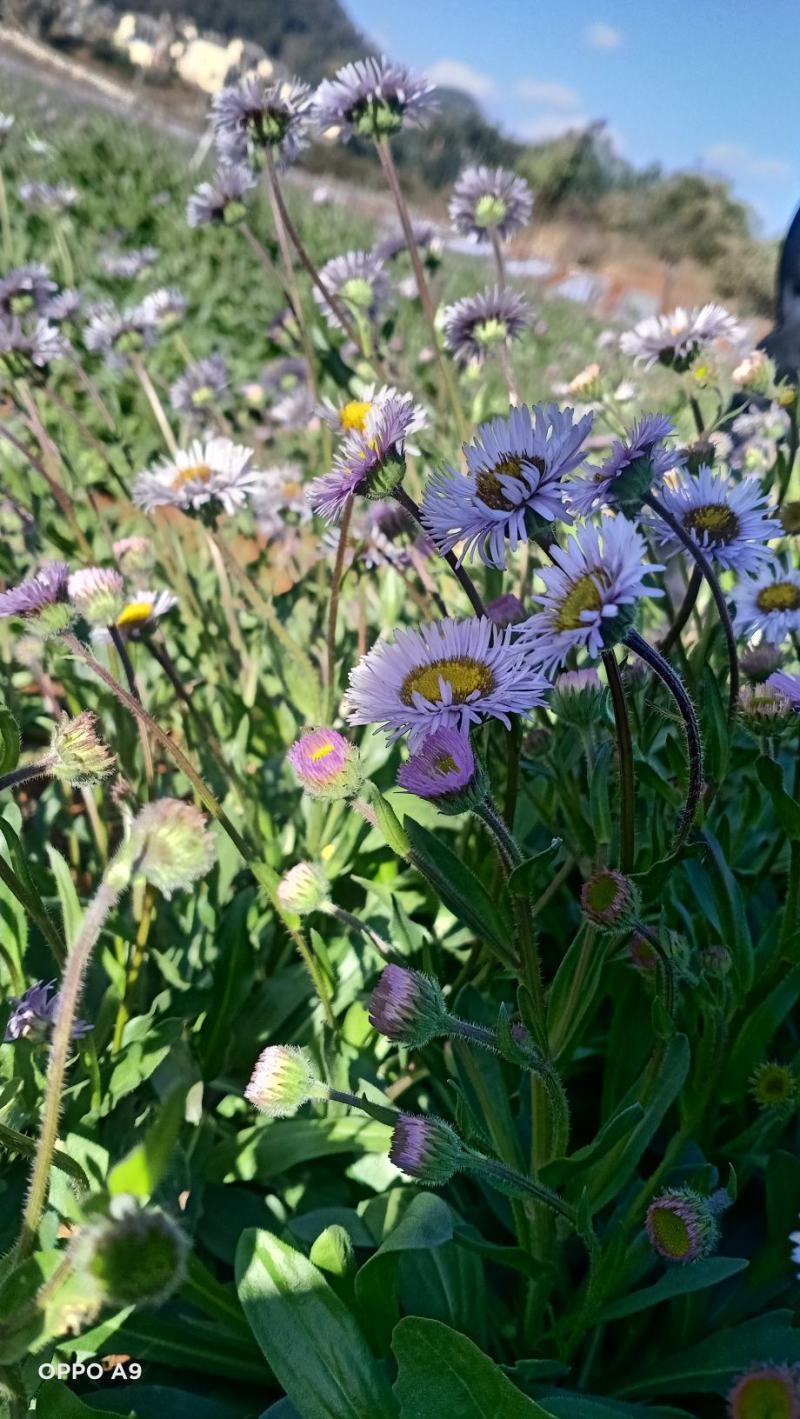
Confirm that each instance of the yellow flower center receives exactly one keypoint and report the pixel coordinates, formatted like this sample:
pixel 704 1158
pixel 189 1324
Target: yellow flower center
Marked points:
pixel 195 473
pixel 488 487
pixel 134 613
pixel 584 595
pixel 718 521
pixel 764 1397
pixel 781 596
pixel 464 676
pixel 671 1230
pixel 445 764
pixel 354 414
pixel 321 752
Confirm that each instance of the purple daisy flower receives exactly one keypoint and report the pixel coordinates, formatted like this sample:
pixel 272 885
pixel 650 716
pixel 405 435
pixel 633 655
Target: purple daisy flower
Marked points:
pixel 26 289
pixel 682 1225
pixel 34 1013
pixel 448 675
pixel 407 1006
pixel 769 602
pixel 371 463
pixel 63 306
pixel 764 1390
pixel 118 333
pixel 490 200
pixel 590 594
pixel 444 764
pixel 24 345
pixel 675 338
pixel 125 265
pixel 361 283
pixel 474 325
pixel 256 115
pixel 728 519
pixel 43 598
pixel 635 465
pixel 325 764
pixel 223 198
pixel 512 486
pixel 786 685
pixel 394 242
pixel 200 387
pixel 372 98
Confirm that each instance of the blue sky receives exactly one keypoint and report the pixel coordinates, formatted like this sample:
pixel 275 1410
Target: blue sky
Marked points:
pixel 708 84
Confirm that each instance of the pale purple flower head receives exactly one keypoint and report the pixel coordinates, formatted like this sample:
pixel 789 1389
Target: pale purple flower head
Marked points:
pixel 729 519
pixel 362 285
pixel 326 765
pixel 505 610
pixel 98 594
pixel 443 765
pixel 769 602
pixel 676 338
pixel 43 598
pixel 407 1006
pixel 63 306
pixel 116 334
pixel 426 1147
pixel 370 463
pixel 490 200
pixel 512 486
pixel 788 686
pixel 394 242
pixel 223 198
pixel 475 325
pixel 372 98
pixel 200 387
pixel 125 265
pixel 163 308
pixel 48 197
pixel 447 675
pixel 635 465
pixel 31 343
pixel 34 1013
pixel 682 1225
pixel 590 594
pixel 215 475
pixel 26 289
pixel 256 115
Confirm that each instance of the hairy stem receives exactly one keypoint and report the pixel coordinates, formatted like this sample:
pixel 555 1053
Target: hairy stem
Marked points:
pixel 627 787
pixel 407 503
pixel 333 609
pixel 694 748
pixel 685 611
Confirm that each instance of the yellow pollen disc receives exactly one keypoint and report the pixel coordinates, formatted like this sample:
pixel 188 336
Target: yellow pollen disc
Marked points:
pixel 322 752
pixel 446 764
pixel 464 676
pixel 584 595
pixel 719 522
pixel 196 473
pixel 134 613
pixel 781 596
pixel 671 1231
pixel 354 415
pixel 488 486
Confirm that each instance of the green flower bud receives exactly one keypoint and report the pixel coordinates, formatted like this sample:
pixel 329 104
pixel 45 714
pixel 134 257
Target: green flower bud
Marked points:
pixel 303 889
pixel 168 846
pixel 283 1080
pixel 77 756
pixel 136 1257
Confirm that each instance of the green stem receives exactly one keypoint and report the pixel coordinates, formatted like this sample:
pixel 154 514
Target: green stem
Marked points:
pixel 408 505
pixel 333 609
pixel 694 747
pixel 627 788
pixel 687 607
pixel 514 1184
pixel 24 774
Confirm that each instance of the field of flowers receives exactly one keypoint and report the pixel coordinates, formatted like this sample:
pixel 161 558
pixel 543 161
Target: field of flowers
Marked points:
pixel 400 817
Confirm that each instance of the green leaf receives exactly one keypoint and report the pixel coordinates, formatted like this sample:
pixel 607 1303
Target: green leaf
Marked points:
pixel 620 1163
pixel 714 728
pixel 27 894
pixel 562 1171
pixel 678 1281
pixel 25 1147
pixel 599 799
pixel 426 1223
pixel 311 1340
pixel 524 879
pixel 71 909
pixel 786 807
pixel 442 1375
pixel 192 1346
pixel 590 1406
pixel 458 887
pixel 332 1251
pixel 710 1366
pixel 142 1170
pixel 754 1037
pixel 9 741
pixel 262 1152
pixel 55 1401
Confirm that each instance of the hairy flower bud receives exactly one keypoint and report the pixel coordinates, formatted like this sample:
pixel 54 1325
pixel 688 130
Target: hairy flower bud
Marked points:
pixel 284 1078
pixel 135 556
pixel 609 900
pixel 98 594
pixel 136 1256
pixel 408 1007
pixel 765 711
pixel 766 1392
pixel 427 1148
pixel 77 756
pixel 303 889
pixel 773 1085
pixel 579 698
pixel 326 765
pixel 445 771
pixel 758 662
pixel 682 1225
pixel 168 845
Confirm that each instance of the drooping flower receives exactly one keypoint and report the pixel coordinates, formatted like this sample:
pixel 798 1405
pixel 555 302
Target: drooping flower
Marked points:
pixel 635 465
pixel 477 324
pixel 284 1078
pixel 77 756
pixel 256 115
pixel 217 472
pixel 139 615
pixel 728 519
pixel 590 595
pixel 34 1013
pixel 326 765
pixel 426 1148
pixel 168 845
pixel 448 675
pixel 487 200
pixel 26 289
pixel 766 1392
pixel 371 464
pixel 676 338
pixel 445 771
pixel 223 198
pixel 98 594
pixel 407 1007
pixel 303 889
pixel 682 1225
pixel 512 487
pixel 200 387
pixel 770 603
pixel 43 599
pixel 360 282
pixel 372 98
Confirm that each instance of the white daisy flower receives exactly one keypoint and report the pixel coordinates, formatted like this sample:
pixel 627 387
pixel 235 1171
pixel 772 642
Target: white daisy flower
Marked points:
pixel 674 339
pixel 139 615
pixel 214 472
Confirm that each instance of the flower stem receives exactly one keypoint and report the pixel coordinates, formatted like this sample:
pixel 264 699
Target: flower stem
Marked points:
pixel 498 258
pixel 514 1184
pixel 667 972
pixel 627 787
pixel 705 566
pixel 155 403
pixel 125 661
pixel 426 300
pixel 94 918
pixel 407 503
pixel 694 748
pixel 24 774
pixel 333 609
pixel 686 609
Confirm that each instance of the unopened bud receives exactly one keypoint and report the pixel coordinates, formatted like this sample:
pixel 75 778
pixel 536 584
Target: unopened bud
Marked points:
pixel 77 756
pixel 283 1080
pixel 303 889
pixel 326 765
pixel 136 1257
pixel 426 1148
pixel 168 845
pixel 408 1007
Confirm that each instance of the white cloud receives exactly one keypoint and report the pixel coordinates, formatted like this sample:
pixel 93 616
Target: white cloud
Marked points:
pixel 452 74
pixel 547 93
pixel 739 161
pixel 551 125
pixel 602 36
